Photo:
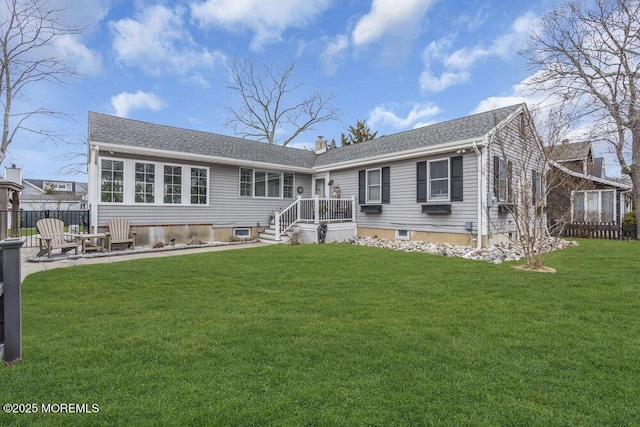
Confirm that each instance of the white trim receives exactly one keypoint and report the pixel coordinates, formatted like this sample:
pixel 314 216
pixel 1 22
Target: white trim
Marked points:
pixel 590 177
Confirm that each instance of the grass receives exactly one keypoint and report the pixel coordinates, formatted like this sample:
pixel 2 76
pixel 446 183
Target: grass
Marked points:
pixel 334 335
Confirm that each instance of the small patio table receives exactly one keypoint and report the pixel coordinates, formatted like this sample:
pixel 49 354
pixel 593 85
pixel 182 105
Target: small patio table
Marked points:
pixel 87 241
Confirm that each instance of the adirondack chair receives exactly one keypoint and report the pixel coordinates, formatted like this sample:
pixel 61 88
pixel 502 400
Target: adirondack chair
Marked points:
pixel 52 236
pixel 120 232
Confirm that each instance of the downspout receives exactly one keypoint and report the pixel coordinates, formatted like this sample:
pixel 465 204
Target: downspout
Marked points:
pixel 94 189
pixel 479 159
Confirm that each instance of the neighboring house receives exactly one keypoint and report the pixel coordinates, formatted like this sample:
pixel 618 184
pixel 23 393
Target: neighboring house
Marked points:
pixel 52 195
pixel 580 190
pixel 434 183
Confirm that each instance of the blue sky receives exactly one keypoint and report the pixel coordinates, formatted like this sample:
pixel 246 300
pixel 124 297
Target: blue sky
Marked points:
pixel 398 64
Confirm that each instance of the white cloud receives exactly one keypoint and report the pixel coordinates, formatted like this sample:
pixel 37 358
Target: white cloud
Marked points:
pixel 431 83
pixel 125 102
pixel 74 52
pixel 383 116
pixel 457 64
pixel 157 42
pixel 395 18
pixel 333 53
pixel 267 19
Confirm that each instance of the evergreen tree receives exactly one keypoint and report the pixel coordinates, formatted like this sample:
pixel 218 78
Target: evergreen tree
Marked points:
pixel 359 133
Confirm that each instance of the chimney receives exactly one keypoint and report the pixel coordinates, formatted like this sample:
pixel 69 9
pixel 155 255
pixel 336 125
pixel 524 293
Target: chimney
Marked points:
pixel 321 145
pixel 13 174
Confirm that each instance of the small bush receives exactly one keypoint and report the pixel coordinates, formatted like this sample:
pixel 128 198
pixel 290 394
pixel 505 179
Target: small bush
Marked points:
pixel 629 218
pixel 159 245
pixel 294 236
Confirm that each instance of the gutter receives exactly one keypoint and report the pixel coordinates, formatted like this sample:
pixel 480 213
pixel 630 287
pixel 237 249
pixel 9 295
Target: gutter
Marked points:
pixel 589 177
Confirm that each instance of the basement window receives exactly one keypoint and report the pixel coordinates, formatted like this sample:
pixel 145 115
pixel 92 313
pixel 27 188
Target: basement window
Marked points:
pixel 242 233
pixel 402 234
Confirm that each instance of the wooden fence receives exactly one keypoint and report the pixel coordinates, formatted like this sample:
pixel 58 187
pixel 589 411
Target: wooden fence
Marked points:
pixel 601 230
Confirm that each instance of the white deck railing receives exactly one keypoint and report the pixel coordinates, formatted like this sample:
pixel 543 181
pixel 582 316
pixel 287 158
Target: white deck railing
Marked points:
pixel 315 210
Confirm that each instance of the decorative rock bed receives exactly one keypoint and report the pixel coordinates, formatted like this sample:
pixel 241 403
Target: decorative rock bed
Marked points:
pixel 496 253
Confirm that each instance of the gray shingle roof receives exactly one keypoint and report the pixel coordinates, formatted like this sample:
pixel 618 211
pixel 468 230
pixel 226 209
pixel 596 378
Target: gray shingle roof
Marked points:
pixel 115 130
pixel 474 126
pixel 566 152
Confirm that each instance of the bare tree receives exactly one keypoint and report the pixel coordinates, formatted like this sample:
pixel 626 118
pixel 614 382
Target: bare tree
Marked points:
pixel 522 183
pixel 587 54
pixel 268 104
pixel 28 28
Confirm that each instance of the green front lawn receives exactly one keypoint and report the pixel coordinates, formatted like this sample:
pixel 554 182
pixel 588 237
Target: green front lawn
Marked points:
pixel 334 335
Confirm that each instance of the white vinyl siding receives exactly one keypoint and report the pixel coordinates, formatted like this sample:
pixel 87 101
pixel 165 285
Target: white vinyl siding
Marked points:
pixel 403 212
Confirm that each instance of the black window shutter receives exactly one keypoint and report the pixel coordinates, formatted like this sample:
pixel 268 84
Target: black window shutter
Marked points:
pixel 534 187
pixel 386 185
pixel 421 182
pixel 456 179
pixel 496 177
pixel 362 186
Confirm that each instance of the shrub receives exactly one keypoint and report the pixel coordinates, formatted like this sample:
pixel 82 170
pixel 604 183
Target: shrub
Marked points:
pixel 629 218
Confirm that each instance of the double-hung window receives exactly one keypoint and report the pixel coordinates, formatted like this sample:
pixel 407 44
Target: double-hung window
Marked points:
pixel 374 186
pixel 246 182
pixel 145 182
pixel 172 184
pixel 112 181
pixel 287 185
pixel 439 180
pixel 502 180
pixel 198 186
